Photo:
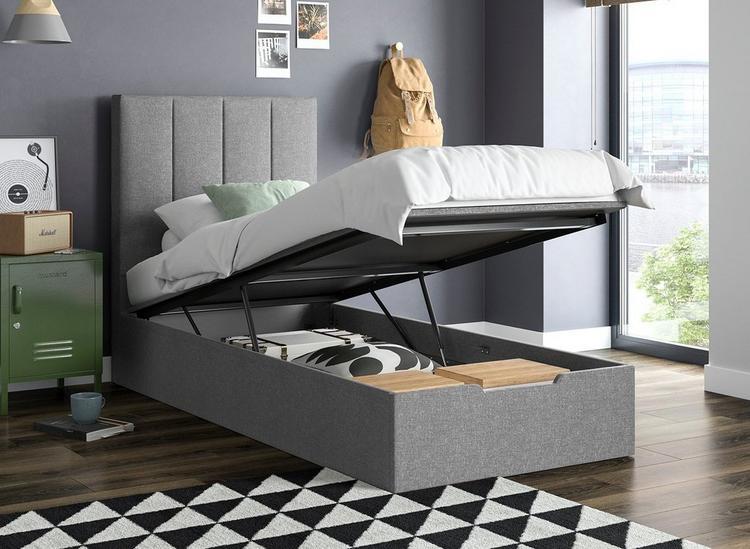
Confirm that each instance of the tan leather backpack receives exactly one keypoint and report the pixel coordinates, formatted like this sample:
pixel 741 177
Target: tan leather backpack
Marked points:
pixel 404 114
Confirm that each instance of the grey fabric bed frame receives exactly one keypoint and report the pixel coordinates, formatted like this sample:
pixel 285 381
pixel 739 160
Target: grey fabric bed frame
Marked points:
pixel 165 148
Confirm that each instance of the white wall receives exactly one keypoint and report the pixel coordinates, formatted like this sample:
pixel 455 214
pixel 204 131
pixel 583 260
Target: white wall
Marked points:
pixel 729 371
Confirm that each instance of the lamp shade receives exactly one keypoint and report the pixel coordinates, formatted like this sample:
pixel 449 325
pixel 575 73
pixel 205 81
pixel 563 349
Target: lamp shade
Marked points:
pixel 37 22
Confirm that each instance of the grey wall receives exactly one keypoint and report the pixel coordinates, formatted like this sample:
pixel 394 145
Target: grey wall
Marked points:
pixel 197 47
pixel 514 76
pixel 514 106
pixel 457 296
pixel 537 91
pixel 729 371
pixel 576 281
pixel 202 48
pixel 514 289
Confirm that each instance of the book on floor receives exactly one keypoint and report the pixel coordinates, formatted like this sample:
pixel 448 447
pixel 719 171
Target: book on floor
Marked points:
pixel 65 426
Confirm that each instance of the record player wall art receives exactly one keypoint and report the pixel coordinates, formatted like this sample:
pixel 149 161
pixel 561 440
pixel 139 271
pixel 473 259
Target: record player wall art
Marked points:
pixel 28 174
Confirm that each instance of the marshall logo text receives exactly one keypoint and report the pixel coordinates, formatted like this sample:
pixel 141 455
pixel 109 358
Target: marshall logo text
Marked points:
pixel 48 232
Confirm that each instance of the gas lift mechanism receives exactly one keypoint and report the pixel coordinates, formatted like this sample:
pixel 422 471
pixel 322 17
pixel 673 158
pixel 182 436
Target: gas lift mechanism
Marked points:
pixel 247 307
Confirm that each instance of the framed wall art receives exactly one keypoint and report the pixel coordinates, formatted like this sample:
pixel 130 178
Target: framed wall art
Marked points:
pixel 28 174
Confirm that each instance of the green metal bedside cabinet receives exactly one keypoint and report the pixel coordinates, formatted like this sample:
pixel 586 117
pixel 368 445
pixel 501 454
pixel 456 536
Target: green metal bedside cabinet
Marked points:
pixel 50 318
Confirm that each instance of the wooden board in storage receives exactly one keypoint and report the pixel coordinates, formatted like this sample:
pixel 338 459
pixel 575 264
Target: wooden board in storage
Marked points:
pixel 502 373
pixel 404 382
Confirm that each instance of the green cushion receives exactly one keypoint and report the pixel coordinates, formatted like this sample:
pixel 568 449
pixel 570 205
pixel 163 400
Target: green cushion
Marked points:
pixel 238 199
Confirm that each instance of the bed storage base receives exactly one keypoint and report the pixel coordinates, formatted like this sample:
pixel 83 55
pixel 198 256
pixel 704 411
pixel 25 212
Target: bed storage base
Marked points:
pixel 167 147
pixel 396 441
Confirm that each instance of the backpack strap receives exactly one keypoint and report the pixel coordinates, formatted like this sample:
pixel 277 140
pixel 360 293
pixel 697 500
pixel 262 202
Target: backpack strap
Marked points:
pixel 431 103
pixel 408 106
pixel 366 145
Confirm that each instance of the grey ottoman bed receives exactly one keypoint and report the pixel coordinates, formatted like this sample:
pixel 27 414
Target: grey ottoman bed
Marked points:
pixel 165 148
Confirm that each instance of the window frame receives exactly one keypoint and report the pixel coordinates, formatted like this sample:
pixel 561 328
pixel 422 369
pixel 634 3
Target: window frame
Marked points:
pixel 618 111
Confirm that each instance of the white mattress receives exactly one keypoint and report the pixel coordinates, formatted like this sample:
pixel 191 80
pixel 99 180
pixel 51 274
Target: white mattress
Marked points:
pixel 376 196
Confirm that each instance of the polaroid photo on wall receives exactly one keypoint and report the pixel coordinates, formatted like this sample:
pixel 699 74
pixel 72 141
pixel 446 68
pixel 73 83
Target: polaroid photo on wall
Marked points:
pixel 272 54
pixel 275 12
pixel 313 26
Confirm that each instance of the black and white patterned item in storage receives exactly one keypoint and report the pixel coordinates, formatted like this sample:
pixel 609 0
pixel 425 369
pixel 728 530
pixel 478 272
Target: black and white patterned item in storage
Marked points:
pixel 28 174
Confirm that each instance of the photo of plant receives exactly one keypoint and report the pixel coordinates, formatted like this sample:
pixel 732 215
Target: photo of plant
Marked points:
pixel 313 25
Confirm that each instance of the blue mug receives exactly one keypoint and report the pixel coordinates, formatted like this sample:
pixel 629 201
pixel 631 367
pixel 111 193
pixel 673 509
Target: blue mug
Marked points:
pixel 86 407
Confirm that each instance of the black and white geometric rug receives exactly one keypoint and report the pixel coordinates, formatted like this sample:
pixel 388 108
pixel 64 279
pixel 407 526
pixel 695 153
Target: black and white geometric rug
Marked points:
pixel 322 509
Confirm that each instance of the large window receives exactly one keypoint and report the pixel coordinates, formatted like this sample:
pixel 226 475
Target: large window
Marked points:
pixel 664 270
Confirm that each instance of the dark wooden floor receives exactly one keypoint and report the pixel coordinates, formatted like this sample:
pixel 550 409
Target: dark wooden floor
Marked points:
pixel 690 476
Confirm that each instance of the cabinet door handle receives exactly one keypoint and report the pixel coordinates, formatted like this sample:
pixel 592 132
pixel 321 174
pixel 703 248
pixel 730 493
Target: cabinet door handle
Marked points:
pixel 17 299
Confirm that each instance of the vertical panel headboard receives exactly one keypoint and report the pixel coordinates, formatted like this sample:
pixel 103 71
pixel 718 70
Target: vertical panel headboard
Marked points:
pixel 166 147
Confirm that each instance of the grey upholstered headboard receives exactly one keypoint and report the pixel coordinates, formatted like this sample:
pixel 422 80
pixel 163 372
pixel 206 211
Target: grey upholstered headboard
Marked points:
pixel 167 147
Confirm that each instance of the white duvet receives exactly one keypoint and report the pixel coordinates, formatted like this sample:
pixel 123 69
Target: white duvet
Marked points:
pixel 376 196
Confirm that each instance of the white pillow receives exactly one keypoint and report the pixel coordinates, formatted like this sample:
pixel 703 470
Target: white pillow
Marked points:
pixel 187 215
pixel 169 240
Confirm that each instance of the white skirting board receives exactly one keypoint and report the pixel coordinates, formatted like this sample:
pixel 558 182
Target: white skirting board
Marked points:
pixel 727 381
pixel 587 339
pixel 48 383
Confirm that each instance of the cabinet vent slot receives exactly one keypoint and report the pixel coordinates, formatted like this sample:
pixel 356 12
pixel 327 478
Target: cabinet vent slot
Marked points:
pixel 48 343
pixel 53 350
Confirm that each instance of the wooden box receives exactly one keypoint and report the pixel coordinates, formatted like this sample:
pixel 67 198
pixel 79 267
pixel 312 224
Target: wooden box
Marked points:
pixel 24 233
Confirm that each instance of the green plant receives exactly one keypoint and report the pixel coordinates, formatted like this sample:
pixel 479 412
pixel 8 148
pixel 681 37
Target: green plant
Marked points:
pixel 675 278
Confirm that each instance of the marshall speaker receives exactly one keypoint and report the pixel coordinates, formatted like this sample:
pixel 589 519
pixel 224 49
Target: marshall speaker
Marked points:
pixel 27 233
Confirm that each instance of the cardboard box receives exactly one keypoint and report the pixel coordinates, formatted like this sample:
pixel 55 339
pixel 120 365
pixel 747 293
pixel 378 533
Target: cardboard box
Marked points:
pixel 26 233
